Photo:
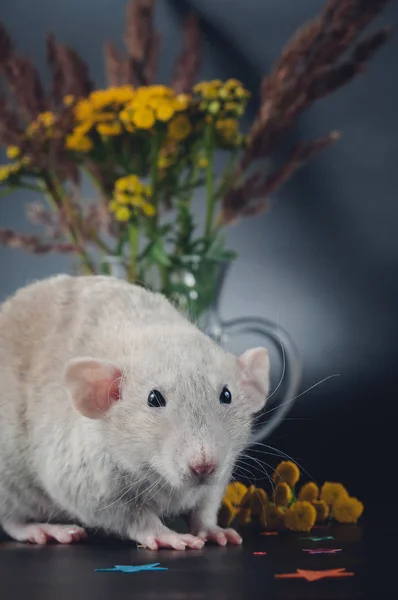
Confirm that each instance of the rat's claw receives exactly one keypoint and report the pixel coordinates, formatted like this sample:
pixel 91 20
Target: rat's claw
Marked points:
pixel 221 536
pixel 171 539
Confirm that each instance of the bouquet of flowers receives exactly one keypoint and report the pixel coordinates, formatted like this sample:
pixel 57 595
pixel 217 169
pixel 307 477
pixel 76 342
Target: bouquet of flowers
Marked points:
pixel 148 147
pixel 286 508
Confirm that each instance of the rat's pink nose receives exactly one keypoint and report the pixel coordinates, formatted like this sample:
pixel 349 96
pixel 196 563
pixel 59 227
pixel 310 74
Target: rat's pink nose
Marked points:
pixel 202 467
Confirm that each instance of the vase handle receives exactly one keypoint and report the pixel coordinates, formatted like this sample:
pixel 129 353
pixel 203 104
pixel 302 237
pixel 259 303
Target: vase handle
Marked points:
pixel 290 360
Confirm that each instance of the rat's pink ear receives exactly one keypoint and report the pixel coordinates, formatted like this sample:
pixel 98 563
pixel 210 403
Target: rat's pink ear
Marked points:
pixel 94 385
pixel 254 368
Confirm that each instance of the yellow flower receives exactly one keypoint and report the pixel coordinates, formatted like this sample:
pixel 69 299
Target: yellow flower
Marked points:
pixel 159 90
pixel 99 99
pixel 330 492
pixel 300 516
pixel 214 107
pixel 258 505
pixel 13 151
pixel 231 107
pixel 230 84
pixel 309 492
pixel 235 492
pixel 122 198
pixel 69 99
pixel 83 110
pixel 244 517
pixel 122 213
pixel 288 472
pixel 258 501
pixel 227 127
pixel 274 517
pixel 4 172
pixel 104 117
pixel 125 115
pixel 109 129
pixel 181 102
pixel 282 494
pixel 123 94
pixel 83 128
pixel 164 161
pixel 131 193
pixel 322 510
pixel 164 110
pixel 227 513
pixel 79 143
pixel 240 92
pixel 346 509
pixel 46 118
pixel 208 89
pixel 144 118
pixel 179 128
pixel 7 170
pixel 130 183
pixel 148 209
pixel 203 162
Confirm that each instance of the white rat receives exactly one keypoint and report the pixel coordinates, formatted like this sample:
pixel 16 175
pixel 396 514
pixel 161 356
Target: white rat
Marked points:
pixel 115 412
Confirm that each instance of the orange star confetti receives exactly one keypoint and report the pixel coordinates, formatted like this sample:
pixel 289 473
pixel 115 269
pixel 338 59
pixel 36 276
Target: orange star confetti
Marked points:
pixel 269 533
pixel 315 575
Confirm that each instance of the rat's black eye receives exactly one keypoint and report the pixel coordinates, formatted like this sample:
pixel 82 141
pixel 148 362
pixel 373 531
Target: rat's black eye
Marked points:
pixel 225 396
pixel 156 400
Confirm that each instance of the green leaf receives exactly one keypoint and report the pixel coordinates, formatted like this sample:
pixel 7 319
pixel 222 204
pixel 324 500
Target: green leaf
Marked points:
pixel 158 255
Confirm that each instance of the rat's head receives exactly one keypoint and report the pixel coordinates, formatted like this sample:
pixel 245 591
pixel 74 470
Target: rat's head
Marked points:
pixel 182 407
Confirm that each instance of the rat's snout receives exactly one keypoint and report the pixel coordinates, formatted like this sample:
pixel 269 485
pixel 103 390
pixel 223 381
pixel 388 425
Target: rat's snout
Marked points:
pixel 202 467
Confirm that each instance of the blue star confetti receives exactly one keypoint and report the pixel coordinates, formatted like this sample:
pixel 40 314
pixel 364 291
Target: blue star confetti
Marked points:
pixel 132 568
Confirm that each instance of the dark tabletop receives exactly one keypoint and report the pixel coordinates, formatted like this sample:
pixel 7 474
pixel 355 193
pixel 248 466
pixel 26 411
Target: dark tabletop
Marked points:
pixel 68 572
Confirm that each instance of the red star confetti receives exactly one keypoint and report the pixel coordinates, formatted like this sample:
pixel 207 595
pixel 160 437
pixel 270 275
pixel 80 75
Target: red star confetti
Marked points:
pixel 269 533
pixel 315 575
pixel 321 550
pixel 259 553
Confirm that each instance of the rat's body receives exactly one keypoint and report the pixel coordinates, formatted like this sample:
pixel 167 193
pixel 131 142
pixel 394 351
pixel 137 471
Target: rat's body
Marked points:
pixel 80 441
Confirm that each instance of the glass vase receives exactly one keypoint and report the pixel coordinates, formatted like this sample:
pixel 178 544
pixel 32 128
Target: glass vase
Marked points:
pixel 196 291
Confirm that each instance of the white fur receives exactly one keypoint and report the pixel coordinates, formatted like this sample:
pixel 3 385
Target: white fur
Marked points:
pixel 57 464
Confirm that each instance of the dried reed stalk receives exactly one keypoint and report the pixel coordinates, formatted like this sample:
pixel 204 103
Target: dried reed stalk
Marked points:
pixel 33 243
pixel 21 78
pixel 189 62
pixel 308 69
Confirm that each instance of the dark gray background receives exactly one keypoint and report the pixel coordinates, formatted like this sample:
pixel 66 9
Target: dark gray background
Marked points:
pixel 323 261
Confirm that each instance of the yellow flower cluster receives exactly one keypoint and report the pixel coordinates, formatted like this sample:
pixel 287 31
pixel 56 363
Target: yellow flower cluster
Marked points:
pixel 285 510
pixel 130 198
pixel 120 110
pixel 6 171
pixel 225 102
pixel 45 124
pixel 115 110
pixel 217 96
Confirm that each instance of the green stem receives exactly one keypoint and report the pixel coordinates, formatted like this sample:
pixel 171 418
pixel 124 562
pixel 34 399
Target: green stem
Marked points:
pixel 134 233
pixel 228 176
pixel 156 145
pixel 209 149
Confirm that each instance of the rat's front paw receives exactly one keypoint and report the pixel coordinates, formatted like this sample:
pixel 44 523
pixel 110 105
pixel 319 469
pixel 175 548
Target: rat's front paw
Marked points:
pixel 219 535
pixel 171 539
pixel 41 533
